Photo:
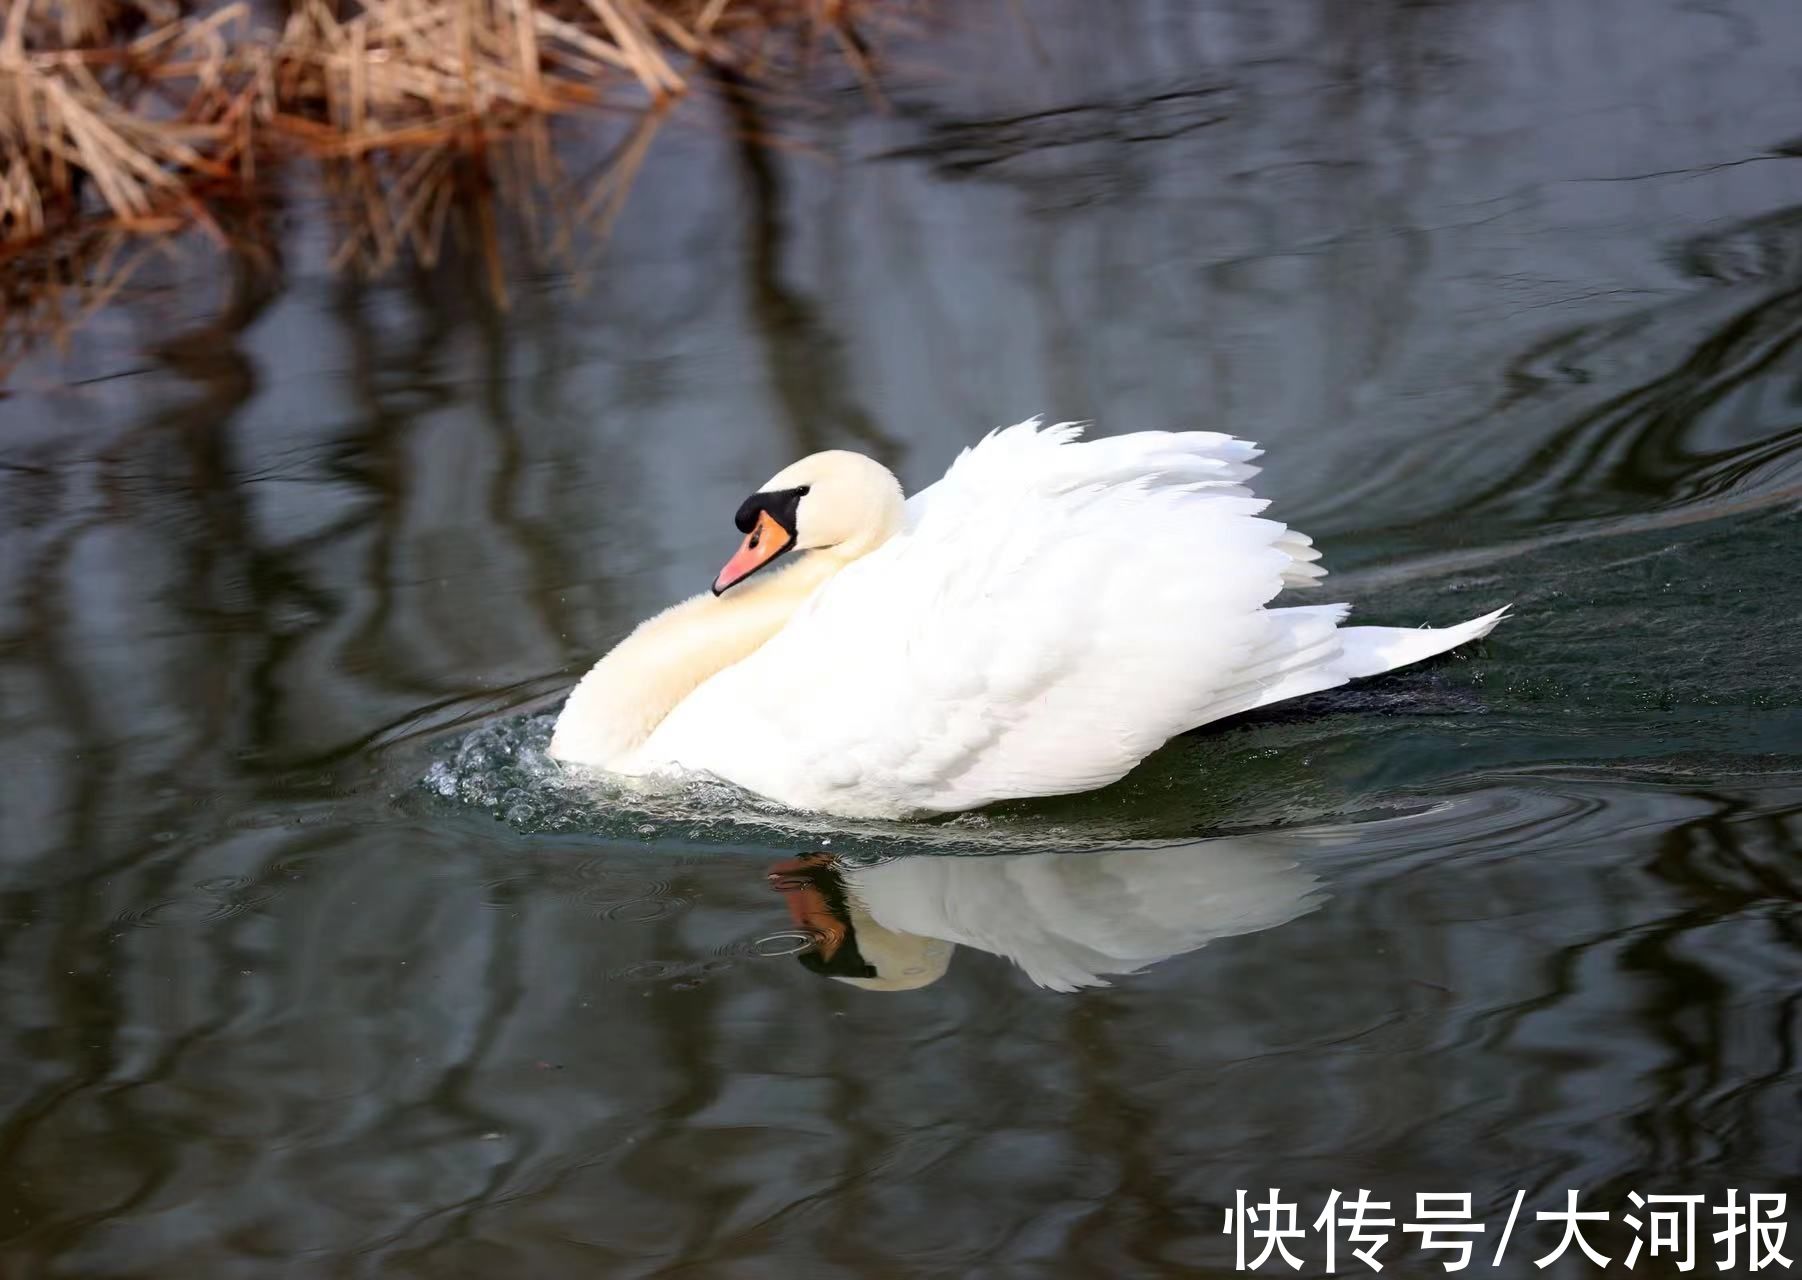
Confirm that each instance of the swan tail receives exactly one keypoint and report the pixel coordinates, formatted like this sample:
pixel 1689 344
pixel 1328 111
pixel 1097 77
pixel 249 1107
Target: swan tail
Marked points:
pixel 1365 651
pixel 1314 653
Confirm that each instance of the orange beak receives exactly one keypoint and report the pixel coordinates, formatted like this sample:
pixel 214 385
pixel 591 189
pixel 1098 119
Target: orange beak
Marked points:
pixel 807 906
pixel 767 540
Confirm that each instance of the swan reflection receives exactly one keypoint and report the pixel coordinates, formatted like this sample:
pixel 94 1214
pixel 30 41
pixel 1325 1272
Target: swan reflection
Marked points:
pixel 1068 920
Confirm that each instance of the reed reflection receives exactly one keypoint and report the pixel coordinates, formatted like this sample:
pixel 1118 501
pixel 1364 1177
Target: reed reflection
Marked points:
pixel 1068 920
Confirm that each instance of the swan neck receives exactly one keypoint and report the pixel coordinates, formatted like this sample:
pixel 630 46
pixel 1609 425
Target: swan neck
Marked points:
pixel 616 707
pixel 630 691
pixel 866 540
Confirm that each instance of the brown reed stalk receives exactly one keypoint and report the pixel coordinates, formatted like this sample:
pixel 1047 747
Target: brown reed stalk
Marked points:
pixel 123 117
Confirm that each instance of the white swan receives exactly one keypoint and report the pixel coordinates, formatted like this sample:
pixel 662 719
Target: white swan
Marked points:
pixel 1066 919
pixel 1036 622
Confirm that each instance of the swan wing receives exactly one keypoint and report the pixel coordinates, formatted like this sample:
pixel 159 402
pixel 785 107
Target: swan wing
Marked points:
pixel 1052 613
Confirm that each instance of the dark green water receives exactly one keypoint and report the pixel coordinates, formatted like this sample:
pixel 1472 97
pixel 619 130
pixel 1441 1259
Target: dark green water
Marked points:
pixel 1512 294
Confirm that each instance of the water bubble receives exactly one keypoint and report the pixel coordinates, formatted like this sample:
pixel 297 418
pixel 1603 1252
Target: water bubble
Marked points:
pixel 504 767
pixel 790 942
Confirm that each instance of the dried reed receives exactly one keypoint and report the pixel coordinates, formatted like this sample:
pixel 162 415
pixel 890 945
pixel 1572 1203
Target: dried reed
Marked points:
pixel 125 117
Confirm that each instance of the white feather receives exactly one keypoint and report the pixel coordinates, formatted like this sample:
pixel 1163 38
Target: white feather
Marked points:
pixel 1069 921
pixel 1051 613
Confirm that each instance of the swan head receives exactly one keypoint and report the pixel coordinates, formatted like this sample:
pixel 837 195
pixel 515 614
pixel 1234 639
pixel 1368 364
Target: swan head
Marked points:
pixel 833 500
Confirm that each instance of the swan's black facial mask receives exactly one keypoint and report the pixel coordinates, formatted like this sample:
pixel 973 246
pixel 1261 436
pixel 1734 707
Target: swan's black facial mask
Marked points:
pixel 768 521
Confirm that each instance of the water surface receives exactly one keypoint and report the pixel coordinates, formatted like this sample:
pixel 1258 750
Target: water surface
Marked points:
pixel 1512 294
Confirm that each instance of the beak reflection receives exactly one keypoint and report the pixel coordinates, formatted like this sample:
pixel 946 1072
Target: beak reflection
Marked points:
pixel 816 905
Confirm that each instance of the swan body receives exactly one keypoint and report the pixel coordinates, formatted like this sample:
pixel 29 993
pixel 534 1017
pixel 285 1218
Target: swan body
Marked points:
pixel 1035 623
